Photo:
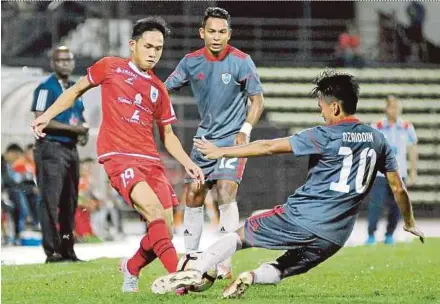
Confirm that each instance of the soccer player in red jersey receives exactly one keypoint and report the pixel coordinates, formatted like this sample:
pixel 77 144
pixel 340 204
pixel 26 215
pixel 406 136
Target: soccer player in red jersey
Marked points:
pixel 133 98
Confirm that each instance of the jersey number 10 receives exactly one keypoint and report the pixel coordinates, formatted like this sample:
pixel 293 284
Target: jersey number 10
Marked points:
pixel 362 177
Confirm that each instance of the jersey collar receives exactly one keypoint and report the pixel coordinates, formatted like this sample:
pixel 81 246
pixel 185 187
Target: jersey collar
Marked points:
pixel 136 69
pixel 352 119
pixel 221 56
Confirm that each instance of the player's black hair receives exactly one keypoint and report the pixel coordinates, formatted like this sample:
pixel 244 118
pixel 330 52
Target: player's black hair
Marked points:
pixel 216 12
pixel 343 87
pixel 153 23
pixel 29 146
pixel 14 148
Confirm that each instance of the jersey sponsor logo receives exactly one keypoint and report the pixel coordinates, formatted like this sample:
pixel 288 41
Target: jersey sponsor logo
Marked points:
pixel 138 99
pixel 130 80
pixel 135 118
pixel 135 115
pixel 154 94
pixel 127 72
pixel 137 102
pixel 200 76
pixel 226 78
pixel 124 100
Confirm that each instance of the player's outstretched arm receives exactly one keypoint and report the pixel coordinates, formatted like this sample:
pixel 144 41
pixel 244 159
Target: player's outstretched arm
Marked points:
pixel 63 102
pixel 413 159
pixel 255 148
pixel 401 194
pixel 174 147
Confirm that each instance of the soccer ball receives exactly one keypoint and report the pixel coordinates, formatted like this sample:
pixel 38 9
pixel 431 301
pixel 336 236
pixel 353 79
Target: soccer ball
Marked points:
pixel 208 278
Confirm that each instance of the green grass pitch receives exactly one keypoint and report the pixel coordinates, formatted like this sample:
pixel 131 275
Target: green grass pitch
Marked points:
pixel 404 273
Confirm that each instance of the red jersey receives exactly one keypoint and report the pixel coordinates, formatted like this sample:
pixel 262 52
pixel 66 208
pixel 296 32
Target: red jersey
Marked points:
pixel 131 102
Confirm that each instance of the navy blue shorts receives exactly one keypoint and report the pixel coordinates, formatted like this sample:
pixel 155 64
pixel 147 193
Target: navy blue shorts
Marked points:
pixel 275 230
pixel 219 169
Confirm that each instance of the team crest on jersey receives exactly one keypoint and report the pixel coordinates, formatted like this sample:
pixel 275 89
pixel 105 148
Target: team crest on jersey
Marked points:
pixel 226 78
pixel 154 94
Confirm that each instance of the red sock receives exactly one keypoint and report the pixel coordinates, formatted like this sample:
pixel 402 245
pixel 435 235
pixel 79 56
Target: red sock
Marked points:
pixel 144 256
pixel 160 241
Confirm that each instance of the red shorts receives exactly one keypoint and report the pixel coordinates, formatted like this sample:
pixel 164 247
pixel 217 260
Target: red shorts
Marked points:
pixel 125 172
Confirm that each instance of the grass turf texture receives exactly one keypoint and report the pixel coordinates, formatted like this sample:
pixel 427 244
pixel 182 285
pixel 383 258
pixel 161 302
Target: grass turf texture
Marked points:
pixel 403 273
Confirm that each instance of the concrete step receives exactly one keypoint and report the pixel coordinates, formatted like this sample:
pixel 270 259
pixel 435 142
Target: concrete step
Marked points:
pixel 362 74
pixel 366 89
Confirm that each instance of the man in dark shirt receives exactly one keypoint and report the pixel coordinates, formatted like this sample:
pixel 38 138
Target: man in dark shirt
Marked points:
pixel 56 160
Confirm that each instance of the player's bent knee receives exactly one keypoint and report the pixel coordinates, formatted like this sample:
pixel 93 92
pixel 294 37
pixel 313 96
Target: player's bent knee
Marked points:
pixel 195 196
pixel 226 191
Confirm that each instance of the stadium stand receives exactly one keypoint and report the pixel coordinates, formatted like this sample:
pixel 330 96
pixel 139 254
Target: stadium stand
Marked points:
pixel 288 104
pixel 96 29
pixel 288 109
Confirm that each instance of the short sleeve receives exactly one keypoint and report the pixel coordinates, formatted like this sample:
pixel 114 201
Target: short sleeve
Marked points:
pixel 249 77
pixel 43 99
pixel 389 162
pixel 179 77
pixel 412 137
pixel 98 71
pixel 309 141
pixel 165 114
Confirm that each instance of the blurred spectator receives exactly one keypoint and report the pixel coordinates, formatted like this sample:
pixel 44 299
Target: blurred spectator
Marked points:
pixel 98 215
pixel 25 167
pixel 13 199
pixel 113 218
pixel 87 203
pixel 416 13
pixel 348 50
pixel 402 138
pixel 10 9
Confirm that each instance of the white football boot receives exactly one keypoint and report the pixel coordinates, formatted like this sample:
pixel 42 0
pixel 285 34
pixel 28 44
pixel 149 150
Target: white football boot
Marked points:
pixel 176 280
pixel 239 286
pixel 224 270
pixel 131 282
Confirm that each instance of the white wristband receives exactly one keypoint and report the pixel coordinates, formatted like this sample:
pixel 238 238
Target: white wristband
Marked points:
pixel 246 128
